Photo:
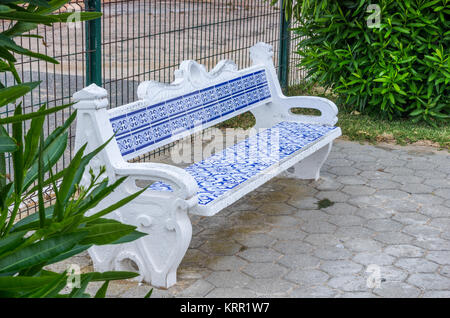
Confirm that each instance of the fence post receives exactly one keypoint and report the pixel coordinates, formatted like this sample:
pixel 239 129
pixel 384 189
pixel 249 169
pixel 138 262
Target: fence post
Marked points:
pixel 93 45
pixel 284 48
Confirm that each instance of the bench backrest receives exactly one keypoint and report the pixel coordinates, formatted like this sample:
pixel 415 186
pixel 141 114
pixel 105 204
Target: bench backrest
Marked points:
pixel 153 122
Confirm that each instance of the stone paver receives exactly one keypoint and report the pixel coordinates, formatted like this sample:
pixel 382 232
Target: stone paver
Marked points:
pixel 397 290
pixel 264 270
pixel 389 223
pixel 307 277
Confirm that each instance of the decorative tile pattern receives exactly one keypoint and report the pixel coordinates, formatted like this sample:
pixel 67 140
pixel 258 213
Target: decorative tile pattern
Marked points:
pixel 149 125
pixel 234 165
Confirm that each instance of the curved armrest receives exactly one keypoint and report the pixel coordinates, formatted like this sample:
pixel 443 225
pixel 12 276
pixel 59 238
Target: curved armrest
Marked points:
pixel 327 108
pixel 181 182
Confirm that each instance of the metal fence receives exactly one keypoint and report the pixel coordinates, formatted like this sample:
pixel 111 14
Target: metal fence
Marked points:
pixel 137 40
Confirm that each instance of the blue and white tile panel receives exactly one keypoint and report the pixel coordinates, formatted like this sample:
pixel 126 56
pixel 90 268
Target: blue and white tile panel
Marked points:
pixel 149 125
pixel 222 172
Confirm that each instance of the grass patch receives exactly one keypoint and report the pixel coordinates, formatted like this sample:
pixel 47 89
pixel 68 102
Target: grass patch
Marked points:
pixel 364 128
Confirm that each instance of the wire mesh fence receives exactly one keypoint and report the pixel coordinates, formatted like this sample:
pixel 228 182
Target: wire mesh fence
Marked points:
pixel 139 40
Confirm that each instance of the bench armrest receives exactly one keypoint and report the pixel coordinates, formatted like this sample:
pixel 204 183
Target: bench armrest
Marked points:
pixel 182 183
pixel 327 108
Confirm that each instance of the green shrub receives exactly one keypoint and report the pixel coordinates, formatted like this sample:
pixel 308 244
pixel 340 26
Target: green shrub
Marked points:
pixel 399 69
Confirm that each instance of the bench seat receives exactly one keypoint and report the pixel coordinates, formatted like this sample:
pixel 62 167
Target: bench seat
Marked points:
pixel 224 172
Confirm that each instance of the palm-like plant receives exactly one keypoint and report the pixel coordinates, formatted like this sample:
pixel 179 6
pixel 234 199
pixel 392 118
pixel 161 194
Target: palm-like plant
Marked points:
pixel 62 229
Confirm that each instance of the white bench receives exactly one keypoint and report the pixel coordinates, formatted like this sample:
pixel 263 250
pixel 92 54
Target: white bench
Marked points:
pixel 197 99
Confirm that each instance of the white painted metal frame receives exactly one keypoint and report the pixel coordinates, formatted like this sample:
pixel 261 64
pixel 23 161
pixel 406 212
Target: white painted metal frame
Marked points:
pixel 164 215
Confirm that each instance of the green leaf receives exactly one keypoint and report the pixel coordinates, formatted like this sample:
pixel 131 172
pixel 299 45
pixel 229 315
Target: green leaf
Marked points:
pixel 4 192
pixel 382 80
pixel 416 112
pixel 149 293
pixel 29 17
pixel 10 94
pixel 4 67
pixel 13 70
pixel 32 138
pixel 7 144
pixel 21 118
pixel 39 252
pixel 54 5
pixel 112 275
pixel 129 237
pixel 52 289
pixel 11 241
pixel 98 194
pixel 39 3
pixel 5 54
pixel 427 4
pixel 20 28
pixel 31 221
pixel 48 181
pixel 41 206
pixel 50 156
pixel 17 156
pixel 5 9
pixel 77 249
pixel 124 239
pixel 100 234
pixel 101 292
pixel 391 98
pixel 76 169
pixel 113 207
pixel 22 283
pixel 68 17
pixel 8 44
pixel 402 30
pixel 60 130
pixel 58 145
pixel 67 187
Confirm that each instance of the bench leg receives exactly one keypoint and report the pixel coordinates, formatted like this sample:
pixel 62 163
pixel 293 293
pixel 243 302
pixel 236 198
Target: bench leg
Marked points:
pixel 309 167
pixel 155 256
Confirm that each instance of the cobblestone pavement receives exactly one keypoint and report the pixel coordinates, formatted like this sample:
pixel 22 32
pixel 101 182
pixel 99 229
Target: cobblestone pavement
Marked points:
pixel 390 215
